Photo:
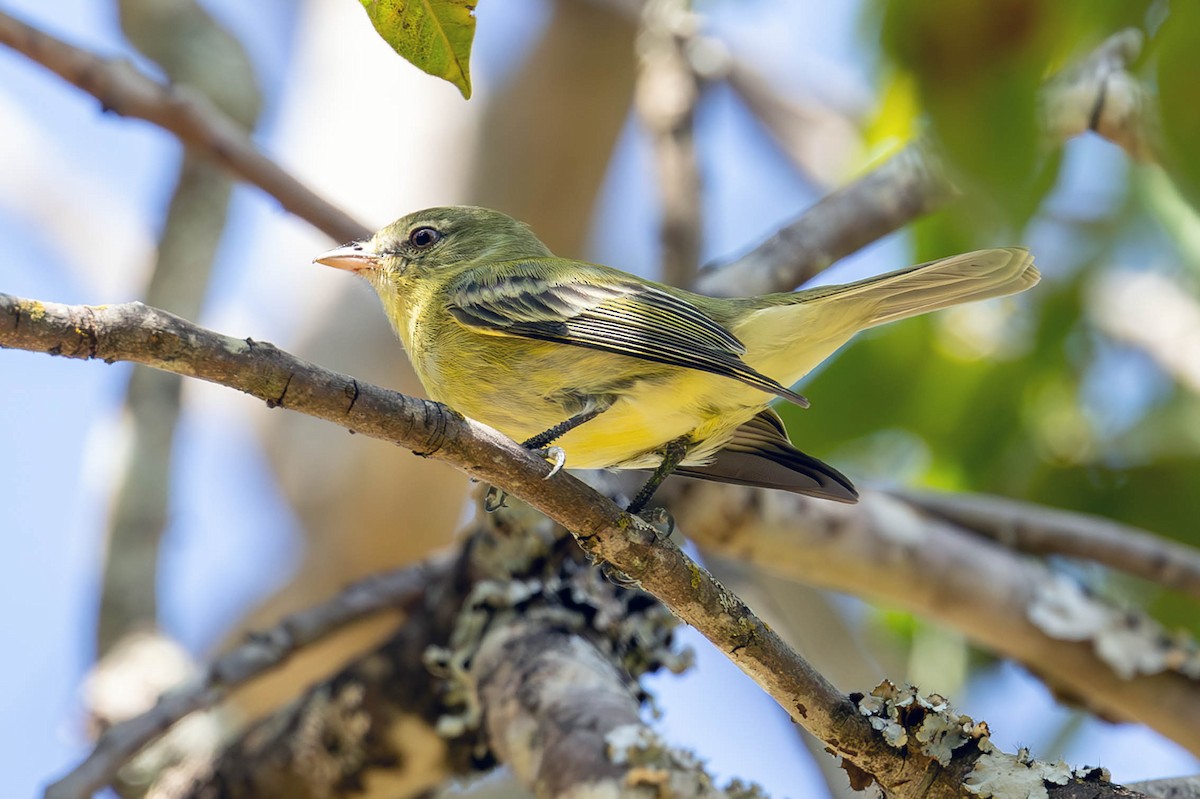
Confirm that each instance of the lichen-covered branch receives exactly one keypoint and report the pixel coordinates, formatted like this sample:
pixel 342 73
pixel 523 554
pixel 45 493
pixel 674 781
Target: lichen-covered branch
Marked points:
pixel 567 721
pixel 1039 530
pixel 518 651
pixel 546 664
pixel 913 722
pixel 1118 663
pixel 188 114
pixel 369 727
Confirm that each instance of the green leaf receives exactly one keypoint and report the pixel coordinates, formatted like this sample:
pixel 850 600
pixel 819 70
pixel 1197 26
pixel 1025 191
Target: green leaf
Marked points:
pixel 434 35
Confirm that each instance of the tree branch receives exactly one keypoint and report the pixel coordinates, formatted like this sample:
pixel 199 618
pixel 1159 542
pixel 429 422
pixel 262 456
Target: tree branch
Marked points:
pixel 137 333
pixel 262 652
pixel 822 141
pixel 188 114
pixel 1099 94
pixel 1096 94
pixel 505 640
pixel 1039 530
pixel 568 723
pixel 667 91
pixel 192 50
pixel 908 185
pixel 1173 788
pixel 1119 664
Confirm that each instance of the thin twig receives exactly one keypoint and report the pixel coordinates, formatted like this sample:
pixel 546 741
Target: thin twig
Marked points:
pixel 908 185
pixel 667 91
pixel 262 652
pixel 186 250
pixel 122 89
pixel 1099 94
pixel 822 141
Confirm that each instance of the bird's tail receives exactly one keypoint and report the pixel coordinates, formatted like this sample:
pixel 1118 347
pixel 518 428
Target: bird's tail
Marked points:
pixel 792 333
pixel 931 286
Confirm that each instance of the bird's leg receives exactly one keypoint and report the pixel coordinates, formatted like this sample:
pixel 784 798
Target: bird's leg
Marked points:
pixel 494 499
pixel 673 454
pixel 538 444
pixel 594 408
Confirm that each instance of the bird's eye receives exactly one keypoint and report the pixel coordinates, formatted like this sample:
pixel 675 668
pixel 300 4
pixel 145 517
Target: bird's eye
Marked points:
pixel 424 237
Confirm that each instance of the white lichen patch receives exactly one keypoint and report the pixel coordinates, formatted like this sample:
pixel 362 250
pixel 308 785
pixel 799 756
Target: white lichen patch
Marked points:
pixel 998 775
pixel 903 714
pixel 892 732
pixel 941 733
pixel 929 724
pixel 1130 642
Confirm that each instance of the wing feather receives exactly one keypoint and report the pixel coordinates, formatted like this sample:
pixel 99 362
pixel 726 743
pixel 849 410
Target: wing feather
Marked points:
pixel 617 315
pixel 760 454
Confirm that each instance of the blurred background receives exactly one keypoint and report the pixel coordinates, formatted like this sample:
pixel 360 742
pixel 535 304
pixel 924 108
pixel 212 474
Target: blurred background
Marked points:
pixel 1081 394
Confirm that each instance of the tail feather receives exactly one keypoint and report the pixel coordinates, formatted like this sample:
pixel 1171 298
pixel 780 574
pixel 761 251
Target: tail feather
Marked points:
pixel 794 332
pixel 931 286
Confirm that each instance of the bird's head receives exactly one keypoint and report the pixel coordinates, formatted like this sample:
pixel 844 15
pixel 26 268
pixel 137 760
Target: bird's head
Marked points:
pixel 416 245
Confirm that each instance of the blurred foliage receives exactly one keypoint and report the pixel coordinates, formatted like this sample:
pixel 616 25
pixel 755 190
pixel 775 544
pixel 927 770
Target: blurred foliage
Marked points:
pixel 434 35
pixel 1015 397
pixel 1179 87
pixel 977 69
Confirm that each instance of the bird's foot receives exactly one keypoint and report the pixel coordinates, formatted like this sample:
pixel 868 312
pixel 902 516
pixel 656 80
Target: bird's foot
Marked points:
pixel 495 498
pixel 660 519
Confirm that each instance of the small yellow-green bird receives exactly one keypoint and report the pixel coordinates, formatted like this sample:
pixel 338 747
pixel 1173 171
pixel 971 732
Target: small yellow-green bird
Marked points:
pixel 625 373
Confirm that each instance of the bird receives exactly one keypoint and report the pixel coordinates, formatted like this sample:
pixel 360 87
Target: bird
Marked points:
pixel 620 372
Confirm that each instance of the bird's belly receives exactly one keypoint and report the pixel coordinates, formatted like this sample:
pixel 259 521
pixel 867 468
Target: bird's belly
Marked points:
pixel 631 432
pixel 652 405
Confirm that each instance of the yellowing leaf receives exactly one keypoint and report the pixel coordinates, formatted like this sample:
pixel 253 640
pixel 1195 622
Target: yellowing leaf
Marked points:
pixel 896 122
pixel 435 35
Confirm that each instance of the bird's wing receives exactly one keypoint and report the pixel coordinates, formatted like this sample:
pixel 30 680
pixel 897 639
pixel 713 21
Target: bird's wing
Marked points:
pixel 760 454
pixel 620 316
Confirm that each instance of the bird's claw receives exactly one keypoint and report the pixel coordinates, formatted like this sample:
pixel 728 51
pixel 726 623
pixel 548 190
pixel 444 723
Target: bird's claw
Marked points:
pixel 494 499
pixel 556 454
pixel 616 576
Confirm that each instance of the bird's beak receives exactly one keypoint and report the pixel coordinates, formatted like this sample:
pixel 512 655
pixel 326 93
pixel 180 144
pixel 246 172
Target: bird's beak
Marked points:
pixel 353 257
